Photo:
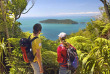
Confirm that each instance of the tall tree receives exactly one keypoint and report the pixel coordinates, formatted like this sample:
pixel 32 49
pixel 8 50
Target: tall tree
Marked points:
pixel 106 7
pixel 7 8
pixel 18 7
pixel 15 8
pixel 3 10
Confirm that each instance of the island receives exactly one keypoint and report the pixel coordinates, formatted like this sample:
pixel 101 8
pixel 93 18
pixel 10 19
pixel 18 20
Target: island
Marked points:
pixel 56 21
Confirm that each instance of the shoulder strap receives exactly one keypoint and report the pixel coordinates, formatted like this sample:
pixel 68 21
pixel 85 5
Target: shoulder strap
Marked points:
pixel 61 45
pixel 32 39
pixel 64 57
pixel 29 37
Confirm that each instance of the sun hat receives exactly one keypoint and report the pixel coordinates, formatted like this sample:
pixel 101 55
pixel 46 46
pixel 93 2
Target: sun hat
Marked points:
pixel 62 34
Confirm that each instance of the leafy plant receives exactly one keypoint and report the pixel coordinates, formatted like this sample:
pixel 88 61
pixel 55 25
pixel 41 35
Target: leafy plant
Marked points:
pixel 50 62
pixel 3 50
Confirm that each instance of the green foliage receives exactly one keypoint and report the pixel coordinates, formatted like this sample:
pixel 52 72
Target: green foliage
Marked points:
pixel 49 45
pixel 13 9
pixel 93 56
pixel 50 62
pixel 17 30
pixel 80 42
pixel 95 28
pixel 84 33
pixel 50 58
pixel 24 35
pixel 99 55
pixel 14 41
pixel 17 7
pixel 93 51
pixel 106 29
pixel 105 19
pixel 9 24
pixel 3 50
pixel 18 65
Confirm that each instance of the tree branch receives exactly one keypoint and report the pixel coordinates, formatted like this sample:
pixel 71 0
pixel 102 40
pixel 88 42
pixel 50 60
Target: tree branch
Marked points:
pixel 17 17
pixel 29 8
pixel 102 1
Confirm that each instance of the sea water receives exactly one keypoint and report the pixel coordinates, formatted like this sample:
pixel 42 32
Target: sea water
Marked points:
pixel 51 31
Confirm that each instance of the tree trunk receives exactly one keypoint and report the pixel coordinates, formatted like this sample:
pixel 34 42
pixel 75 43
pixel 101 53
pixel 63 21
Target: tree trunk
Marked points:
pixel 5 22
pixel 106 8
pixel 13 28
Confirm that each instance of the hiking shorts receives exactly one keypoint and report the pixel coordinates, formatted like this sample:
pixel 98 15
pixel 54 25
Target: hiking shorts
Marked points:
pixel 64 70
pixel 35 67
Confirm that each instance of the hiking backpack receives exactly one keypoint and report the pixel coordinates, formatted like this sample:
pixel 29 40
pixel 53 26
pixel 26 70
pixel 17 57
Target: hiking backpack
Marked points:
pixel 25 45
pixel 72 58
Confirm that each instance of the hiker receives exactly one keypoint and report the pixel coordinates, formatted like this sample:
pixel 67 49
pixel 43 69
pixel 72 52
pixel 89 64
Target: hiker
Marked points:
pixel 62 54
pixel 36 48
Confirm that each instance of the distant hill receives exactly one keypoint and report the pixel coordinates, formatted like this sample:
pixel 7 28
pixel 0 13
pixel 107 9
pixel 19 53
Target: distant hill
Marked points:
pixel 56 21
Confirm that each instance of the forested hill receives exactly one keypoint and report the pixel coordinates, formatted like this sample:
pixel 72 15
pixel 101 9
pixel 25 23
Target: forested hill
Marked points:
pixel 56 21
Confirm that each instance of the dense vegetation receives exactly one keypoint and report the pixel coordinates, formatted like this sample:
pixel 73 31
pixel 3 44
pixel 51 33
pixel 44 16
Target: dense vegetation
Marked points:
pixel 92 44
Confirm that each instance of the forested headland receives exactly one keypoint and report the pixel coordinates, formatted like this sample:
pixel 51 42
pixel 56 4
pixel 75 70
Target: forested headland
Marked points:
pixel 92 43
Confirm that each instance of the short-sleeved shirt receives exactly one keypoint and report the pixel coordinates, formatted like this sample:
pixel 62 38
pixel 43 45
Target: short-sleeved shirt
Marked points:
pixel 36 45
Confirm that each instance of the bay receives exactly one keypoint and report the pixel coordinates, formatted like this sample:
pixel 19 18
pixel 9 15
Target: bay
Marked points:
pixel 51 31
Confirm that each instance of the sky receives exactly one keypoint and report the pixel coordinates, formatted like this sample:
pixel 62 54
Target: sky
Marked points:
pixel 48 8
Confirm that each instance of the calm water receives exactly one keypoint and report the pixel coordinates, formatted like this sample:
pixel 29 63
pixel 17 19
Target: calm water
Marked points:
pixel 51 31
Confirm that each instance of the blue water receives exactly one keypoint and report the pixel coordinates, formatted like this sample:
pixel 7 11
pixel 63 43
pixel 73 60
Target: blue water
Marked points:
pixel 51 31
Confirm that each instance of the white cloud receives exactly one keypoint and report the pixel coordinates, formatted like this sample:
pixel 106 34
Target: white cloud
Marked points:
pixel 60 14
pixel 78 13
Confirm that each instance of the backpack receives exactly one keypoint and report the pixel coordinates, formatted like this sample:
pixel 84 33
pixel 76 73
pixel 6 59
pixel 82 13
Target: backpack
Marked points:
pixel 72 58
pixel 25 45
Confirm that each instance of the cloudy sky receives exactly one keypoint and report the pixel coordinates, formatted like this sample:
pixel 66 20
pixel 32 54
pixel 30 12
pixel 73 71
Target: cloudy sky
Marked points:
pixel 45 8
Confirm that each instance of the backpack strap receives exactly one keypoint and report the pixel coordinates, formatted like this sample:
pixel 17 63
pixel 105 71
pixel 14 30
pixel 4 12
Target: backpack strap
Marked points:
pixel 29 37
pixel 63 64
pixel 64 57
pixel 61 45
pixel 32 39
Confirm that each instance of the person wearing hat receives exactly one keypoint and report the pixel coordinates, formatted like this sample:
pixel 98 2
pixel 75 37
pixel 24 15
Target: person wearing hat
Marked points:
pixel 62 54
